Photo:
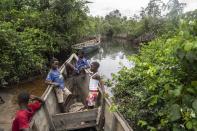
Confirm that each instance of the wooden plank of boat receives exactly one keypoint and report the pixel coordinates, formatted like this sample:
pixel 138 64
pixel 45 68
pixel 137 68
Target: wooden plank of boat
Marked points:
pixel 115 119
pixel 71 121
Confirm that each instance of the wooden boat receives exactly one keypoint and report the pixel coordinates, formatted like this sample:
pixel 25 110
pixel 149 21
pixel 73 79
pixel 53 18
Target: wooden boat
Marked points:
pixel 49 118
pixel 88 46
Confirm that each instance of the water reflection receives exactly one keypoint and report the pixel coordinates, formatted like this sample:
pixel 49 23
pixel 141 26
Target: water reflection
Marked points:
pixel 113 55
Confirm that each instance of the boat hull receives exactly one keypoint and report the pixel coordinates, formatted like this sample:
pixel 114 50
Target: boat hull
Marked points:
pixel 88 46
pixel 49 118
pixel 90 49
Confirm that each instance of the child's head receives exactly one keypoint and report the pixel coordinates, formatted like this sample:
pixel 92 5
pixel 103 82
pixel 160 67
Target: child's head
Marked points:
pixel 94 66
pixel 81 53
pixel 23 98
pixel 54 63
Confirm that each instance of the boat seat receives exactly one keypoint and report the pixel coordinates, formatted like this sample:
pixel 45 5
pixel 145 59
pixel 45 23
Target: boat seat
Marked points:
pixel 75 120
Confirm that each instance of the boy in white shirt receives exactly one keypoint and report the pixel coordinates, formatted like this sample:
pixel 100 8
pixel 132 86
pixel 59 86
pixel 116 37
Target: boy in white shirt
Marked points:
pixel 95 80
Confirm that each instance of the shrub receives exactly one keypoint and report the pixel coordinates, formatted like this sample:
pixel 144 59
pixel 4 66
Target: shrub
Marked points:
pixel 159 93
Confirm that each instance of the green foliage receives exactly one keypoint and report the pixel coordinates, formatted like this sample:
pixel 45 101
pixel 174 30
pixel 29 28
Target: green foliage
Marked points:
pixel 154 20
pixel 21 52
pixel 113 108
pixel 33 31
pixel 108 83
pixel 159 93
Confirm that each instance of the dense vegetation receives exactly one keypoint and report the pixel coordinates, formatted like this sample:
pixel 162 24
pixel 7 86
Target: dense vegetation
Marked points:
pixel 154 20
pixel 159 93
pixel 33 31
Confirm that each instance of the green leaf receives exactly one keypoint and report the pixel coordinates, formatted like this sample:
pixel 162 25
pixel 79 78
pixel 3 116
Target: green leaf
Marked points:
pixel 187 99
pixel 177 91
pixel 174 112
pixel 194 124
pixel 142 123
pixel 194 83
pixel 153 100
pixel 191 90
pixel 176 128
pixel 189 125
pixel 180 54
pixel 188 46
pixel 194 105
pixel 150 128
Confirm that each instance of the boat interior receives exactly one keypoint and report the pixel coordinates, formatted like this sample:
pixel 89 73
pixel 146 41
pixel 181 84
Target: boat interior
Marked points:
pixel 76 116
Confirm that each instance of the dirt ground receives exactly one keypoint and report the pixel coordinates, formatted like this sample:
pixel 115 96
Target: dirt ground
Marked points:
pixel 7 110
pixel 9 95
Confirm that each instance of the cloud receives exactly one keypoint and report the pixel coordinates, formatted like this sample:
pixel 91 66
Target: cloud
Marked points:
pixel 127 7
pixel 191 4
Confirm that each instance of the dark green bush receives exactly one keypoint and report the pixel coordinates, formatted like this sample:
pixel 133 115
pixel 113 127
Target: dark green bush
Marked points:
pixel 159 93
pixel 31 33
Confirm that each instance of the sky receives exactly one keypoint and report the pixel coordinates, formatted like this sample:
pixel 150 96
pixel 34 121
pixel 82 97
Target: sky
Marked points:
pixel 127 7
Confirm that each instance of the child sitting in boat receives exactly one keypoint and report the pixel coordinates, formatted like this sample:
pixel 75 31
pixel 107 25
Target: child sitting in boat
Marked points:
pixel 27 110
pixel 95 80
pixel 55 78
pixel 81 64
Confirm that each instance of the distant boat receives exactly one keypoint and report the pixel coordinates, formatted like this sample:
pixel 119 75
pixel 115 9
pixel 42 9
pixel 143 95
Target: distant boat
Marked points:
pixel 88 46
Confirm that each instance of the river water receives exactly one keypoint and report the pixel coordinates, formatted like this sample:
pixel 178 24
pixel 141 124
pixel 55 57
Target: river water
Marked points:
pixel 111 55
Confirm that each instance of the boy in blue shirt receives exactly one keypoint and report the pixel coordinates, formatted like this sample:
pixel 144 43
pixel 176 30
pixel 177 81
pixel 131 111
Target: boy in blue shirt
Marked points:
pixel 55 78
pixel 81 64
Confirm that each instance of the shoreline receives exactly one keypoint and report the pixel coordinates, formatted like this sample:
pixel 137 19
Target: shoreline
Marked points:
pixel 9 95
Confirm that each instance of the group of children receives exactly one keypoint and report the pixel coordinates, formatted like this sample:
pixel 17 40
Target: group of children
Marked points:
pixel 54 77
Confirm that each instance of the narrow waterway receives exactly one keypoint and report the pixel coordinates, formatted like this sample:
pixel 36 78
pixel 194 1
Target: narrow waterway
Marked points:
pixel 111 56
